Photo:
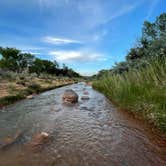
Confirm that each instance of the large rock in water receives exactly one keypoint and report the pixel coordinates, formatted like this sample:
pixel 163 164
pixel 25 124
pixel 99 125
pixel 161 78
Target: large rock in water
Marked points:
pixel 70 96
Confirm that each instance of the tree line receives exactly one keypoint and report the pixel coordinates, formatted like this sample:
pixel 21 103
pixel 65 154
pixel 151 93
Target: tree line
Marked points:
pixel 152 43
pixel 13 59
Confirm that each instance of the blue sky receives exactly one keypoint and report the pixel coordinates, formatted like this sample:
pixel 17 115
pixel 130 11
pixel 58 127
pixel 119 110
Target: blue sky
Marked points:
pixel 87 35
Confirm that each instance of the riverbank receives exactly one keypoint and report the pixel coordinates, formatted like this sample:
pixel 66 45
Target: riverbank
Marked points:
pixel 19 87
pixel 141 92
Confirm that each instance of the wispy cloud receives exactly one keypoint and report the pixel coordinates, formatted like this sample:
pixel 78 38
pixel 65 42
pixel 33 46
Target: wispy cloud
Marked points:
pixel 152 8
pixel 96 14
pixel 123 11
pixel 77 56
pixel 59 41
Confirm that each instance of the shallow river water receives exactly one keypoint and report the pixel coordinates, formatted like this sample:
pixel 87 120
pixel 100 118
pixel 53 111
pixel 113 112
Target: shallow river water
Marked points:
pixel 90 133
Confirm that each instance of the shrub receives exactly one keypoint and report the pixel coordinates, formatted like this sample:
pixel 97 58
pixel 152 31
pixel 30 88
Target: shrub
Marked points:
pixel 21 82
pixel 22 77
pixel 12 89
pixel 11 76
pixel 34 87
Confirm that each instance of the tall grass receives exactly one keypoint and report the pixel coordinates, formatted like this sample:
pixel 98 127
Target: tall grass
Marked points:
pixel 140 91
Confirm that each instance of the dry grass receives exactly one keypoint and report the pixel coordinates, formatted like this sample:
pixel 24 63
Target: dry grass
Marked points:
pixel 20 87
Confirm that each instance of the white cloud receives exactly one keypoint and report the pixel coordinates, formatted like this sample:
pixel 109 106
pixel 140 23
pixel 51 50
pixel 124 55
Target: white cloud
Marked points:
pixel 60 41
pixel 84 73
pixel 77 56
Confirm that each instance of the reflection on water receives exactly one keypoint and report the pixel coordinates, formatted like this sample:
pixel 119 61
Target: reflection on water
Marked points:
pixel 90 133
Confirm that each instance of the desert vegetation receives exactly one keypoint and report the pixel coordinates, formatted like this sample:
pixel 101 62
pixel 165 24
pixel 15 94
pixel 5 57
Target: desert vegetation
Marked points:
pixel 139 83
pixel 22 74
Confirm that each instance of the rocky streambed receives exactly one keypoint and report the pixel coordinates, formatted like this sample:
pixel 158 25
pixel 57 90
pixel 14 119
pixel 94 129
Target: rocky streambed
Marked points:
pixel 60 128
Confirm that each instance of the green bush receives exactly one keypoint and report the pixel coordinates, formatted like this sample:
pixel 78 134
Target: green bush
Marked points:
pixel 22 77
pixel 21 82
pixel 34 87
pixel 141 91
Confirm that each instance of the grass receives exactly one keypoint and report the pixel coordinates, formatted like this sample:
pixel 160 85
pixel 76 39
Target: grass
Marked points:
pixel 10 99
pixel 141 91
pixel 14 87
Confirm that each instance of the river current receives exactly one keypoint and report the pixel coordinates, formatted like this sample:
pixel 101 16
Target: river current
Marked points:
pixel 91 132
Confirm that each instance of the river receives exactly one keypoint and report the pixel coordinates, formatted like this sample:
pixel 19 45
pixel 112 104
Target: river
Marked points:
pixel 90 133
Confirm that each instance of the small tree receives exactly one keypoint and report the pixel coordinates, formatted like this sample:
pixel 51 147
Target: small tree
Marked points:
pixel 10 57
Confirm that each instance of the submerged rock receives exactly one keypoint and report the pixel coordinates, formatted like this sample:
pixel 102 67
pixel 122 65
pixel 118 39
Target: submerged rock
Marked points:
pixel 70 96
pixel 85 98
pixel 89 83
pixel 86 93
pixel 38 140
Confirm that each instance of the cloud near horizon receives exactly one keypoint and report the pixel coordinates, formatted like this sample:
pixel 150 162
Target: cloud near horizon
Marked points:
pixel 59 41
pixel 77 56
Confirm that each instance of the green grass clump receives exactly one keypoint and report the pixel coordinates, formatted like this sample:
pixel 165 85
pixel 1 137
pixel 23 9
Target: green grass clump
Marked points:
pixel 34 87
pixel 10 99
pixel 140 91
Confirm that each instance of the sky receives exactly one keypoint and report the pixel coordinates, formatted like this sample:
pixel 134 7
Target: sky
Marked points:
pixel 86 35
